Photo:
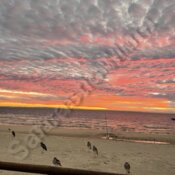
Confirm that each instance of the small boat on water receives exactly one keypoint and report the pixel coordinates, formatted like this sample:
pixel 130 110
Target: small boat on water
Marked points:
pixel 173 118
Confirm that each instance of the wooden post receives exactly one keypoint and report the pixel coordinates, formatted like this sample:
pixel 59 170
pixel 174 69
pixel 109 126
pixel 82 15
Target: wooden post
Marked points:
pixel 107 133
pixel 50 170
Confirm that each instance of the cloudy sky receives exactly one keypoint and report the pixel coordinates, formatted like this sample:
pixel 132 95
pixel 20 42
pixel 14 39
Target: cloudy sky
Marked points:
pixel 48 49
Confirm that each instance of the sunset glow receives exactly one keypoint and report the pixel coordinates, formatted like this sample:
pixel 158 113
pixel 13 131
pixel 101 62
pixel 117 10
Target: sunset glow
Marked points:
pixel 46 56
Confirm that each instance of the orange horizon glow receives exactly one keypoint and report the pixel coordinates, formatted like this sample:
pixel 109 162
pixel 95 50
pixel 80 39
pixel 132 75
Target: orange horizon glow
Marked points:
pixel 98 101
pixel 129 109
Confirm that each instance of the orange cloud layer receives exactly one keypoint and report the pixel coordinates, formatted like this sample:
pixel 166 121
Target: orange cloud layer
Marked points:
pixel 99 101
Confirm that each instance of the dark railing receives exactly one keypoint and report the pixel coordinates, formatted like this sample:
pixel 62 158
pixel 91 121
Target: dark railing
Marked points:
pixel 49 170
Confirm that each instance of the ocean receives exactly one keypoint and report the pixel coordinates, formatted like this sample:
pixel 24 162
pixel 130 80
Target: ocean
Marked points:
pixel 85 119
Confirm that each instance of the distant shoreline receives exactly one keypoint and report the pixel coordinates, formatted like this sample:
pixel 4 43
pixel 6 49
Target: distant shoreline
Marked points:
pixel 99 134
pixel 50 108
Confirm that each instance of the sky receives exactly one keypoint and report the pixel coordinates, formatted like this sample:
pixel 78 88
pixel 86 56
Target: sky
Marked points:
pixel 49 49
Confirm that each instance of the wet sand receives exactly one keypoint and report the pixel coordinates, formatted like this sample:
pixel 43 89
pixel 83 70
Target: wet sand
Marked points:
pixel 70 147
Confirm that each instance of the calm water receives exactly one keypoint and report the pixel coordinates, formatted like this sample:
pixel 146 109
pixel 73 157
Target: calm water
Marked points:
pixel 124 121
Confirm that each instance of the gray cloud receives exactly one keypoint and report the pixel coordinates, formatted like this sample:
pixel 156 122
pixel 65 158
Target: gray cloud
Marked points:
pixel 69 19
pixel 24 25
pixel 33 32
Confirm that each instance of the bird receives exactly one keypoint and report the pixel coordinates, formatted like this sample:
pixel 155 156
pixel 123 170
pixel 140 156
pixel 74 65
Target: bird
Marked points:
pixel 13 133
pixel 95 150
pixel 89 145
pixel 56 161
pixel 127 167
pixel 43 146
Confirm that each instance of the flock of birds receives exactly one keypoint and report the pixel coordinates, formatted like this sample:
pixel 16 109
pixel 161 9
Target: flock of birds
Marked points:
pixel 95 150
pixel 57 162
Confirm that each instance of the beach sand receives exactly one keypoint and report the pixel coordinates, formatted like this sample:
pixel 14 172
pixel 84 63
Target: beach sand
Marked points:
pixel 69 145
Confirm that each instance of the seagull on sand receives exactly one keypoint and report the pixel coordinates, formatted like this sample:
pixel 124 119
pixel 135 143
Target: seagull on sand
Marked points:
pixel 13 133
pixel 56 161
pixel 127 167
pixel 43 146
pixel 89 145
pixel 95 150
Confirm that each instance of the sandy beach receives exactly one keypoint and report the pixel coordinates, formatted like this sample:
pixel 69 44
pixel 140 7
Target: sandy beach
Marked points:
pixel 70 147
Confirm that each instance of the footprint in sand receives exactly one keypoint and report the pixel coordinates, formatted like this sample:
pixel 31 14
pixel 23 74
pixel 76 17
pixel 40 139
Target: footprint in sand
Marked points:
pixel 139 153
pixel 106 162
pixel 94 164
pixel 64 154
pixel 68 151
pixel 113 157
